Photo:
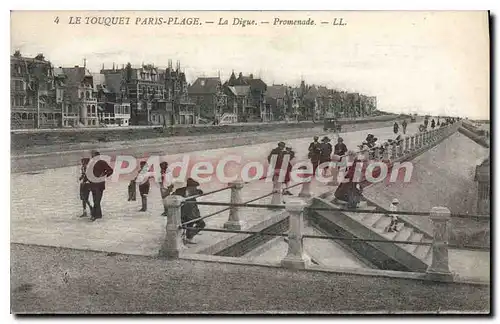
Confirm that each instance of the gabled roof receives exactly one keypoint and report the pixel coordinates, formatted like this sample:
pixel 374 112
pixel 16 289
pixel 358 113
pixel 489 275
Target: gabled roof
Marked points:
pixel 114 82
pixel 231 91
pixel 276 91
pixel 76 75
pixel 242 90
pixel 204 86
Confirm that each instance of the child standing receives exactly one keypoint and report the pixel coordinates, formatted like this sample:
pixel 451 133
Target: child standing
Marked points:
pixel 84 186
pixel 394 217
pixel 143 186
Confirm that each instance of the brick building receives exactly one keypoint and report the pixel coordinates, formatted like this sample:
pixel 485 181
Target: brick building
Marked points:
pixel 144 88
pixel 177 107
pixel 35 95
pixel 208 96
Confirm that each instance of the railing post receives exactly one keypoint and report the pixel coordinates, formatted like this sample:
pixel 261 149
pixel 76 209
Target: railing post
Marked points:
pixel 173 238
pixel 234 222
pixel 394 150
pixel 439 268
pixel 376 153
pixel 407 144
pixel 371 153
pixel 277 197
pixel 412 143
pixel 385 155
pixel 401 148
pixel 305 191
pixel 295 258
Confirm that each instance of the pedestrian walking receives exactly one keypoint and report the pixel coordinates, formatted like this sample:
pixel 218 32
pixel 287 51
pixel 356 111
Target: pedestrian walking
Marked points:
pixel 396 128
pixel 393 226
pixel 325 152
pixel 290 155
pixel 433 124
pixel 314 153
pixel 404 124
pixel 279 153
pixel 132 190
pixel 166 185
pixel 100 169
pixel 189 210
pixel 144 185
pixel 350 191
pixel 340 148
pixel 84 187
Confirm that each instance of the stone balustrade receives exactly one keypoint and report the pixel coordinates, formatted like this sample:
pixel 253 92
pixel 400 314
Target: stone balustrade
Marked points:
pixel 295 257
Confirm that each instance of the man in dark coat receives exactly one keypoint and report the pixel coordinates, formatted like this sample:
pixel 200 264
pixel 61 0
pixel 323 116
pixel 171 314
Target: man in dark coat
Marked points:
pixel 325 152
pixel 404 124
pixel 340 148
pixel 396 128
pixel 291 155
pixel 433 124
pixel 279 152
pixel 314 153
pixel 190 211
pixel 165 184
pixel 101 169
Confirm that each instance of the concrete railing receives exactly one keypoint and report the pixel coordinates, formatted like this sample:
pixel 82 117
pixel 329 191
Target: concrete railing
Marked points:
pixel 295 258
pixel 409 147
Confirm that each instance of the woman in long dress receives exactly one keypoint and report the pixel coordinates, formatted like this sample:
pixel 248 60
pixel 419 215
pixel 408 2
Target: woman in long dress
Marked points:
pixel 350 190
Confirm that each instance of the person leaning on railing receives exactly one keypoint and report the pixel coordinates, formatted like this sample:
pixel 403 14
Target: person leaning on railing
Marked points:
pixel 190 211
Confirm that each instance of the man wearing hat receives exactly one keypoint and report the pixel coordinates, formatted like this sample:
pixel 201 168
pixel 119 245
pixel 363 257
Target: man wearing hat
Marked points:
pixel 291 155
pixel 166 186
pixel 190 211
pixel 394 218
pixel 279 152
pixel 101 169
pixel 325 152
pixel 314 153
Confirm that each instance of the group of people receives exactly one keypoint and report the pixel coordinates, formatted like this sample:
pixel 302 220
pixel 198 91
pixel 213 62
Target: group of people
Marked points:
pixel 101 168
pixel 283 154
pixel 320 153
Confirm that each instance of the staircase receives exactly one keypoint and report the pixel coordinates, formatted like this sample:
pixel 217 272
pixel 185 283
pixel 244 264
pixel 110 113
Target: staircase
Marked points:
pixel 387 256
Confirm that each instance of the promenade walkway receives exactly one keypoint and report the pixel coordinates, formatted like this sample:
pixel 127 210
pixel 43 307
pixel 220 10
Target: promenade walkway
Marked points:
pixel 45 206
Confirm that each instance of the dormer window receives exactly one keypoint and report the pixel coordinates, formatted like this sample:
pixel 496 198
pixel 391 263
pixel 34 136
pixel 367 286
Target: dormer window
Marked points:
pixel 202 83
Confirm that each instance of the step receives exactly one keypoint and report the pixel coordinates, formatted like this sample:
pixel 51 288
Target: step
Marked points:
pixel 383 222
pixel 388 235
pixel 370 219
pixel 415 237
pixel 422 252
pixel 404 234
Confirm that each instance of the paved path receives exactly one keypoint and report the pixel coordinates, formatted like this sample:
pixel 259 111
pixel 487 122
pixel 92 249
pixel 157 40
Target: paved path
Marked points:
pixel 44 206
pixel 63 155
pixel 52 280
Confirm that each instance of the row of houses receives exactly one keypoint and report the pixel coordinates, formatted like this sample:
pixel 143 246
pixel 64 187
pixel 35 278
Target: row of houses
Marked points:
pixel 45 96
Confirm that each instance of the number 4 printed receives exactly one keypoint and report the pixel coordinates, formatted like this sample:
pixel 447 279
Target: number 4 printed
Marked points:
pixel 56 20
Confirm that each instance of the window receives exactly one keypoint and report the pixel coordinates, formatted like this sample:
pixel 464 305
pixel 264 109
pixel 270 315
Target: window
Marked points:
pixel 87 95
pixel 93 109
pixel 88 110
pixel 81 95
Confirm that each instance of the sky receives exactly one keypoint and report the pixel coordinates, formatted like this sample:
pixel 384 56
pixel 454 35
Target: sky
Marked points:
pixel 414 62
